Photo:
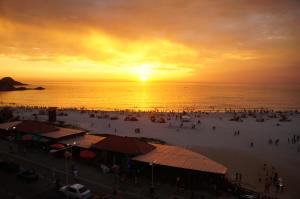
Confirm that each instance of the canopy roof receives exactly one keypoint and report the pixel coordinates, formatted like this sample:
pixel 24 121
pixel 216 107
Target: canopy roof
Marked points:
pixel 63 132
pixel 126 145
pixel 9 125
pixel 178 157
pixel 85 141
pixel 36 127
pixel 41 128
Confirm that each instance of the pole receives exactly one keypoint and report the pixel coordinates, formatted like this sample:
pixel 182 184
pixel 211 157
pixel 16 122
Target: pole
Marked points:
pixel 74 144
pixel 66 166
pixel 71 154
pixel 152 175
pixel 66 162
pixel 13 132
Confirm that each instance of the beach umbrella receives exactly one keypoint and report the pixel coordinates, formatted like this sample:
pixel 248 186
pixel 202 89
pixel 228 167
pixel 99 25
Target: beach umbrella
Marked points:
pixel 57 146
pixel 87 154
pixel 27 137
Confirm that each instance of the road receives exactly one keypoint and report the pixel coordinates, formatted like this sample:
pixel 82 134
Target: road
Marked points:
pixel 46 165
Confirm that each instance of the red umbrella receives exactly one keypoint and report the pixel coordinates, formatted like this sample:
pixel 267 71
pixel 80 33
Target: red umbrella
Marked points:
pixel 57 146
pixel 27 137
pixel 87 154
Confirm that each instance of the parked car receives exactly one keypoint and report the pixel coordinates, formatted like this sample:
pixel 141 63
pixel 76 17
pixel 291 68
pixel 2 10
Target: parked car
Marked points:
pixel 76 191
pixel 104 196
pixel 247 194
pixel 28 175
pixel 9 167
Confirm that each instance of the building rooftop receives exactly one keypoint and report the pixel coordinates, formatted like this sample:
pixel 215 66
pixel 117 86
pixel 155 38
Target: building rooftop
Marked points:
pixel 126 145
pixel 9 125
pixel 179 157
pixel 62 132
pixel 36 127
pixel 41 128
pixel 85 141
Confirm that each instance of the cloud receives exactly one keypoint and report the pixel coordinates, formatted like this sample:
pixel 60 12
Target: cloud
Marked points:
pixel 179 34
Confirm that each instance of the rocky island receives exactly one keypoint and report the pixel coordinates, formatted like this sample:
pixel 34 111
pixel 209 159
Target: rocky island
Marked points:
pixel 9 84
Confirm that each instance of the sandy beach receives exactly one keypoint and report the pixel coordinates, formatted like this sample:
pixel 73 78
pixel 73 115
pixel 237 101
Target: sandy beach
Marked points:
pixel 243 146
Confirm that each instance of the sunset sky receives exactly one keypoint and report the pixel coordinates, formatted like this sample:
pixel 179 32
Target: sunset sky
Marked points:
pixel 164 40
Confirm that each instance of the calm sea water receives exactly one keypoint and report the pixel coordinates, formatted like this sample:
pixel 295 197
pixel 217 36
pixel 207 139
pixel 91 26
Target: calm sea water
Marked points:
pixel 162 96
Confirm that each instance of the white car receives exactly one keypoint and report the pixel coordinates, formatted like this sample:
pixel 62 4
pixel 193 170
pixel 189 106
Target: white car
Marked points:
pixel 76 191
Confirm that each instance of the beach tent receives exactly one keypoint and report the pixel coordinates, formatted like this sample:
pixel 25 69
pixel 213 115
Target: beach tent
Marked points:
pixel 185 118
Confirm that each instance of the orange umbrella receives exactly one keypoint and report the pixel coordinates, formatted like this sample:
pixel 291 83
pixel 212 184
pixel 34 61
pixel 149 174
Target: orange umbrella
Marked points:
pixel 87 154
pixel 57 146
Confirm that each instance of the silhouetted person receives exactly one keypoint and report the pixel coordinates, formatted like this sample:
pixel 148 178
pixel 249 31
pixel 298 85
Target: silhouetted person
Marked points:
pixel 57 183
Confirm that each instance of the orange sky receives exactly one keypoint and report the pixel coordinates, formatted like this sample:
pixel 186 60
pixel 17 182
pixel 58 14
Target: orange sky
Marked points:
pixel 167 40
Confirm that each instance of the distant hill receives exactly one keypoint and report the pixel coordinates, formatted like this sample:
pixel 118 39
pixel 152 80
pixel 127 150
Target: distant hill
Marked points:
pixel 8 84
pixel 11 81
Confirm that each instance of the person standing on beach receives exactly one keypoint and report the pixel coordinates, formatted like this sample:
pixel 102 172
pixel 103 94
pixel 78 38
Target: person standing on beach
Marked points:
pixel 11 148
pixel 178 184
pixel 24 151
pixel 236 177
pixel 75 172
pixel 57 183
pixel 53 174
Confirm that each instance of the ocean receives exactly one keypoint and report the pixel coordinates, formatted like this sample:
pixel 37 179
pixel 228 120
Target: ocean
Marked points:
pixel 163 96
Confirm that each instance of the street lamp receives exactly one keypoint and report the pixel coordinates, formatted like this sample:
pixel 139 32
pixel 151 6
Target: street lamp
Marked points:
pixel 66 164
pixel 73 144
pixel 14 132
pixel 152 176
pixel 66 160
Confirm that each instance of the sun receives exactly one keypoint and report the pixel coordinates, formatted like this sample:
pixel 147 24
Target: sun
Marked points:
pixel 144 78
pixel 144 72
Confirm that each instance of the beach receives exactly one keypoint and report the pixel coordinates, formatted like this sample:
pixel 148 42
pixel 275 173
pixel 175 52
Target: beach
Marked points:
pixel 241 141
